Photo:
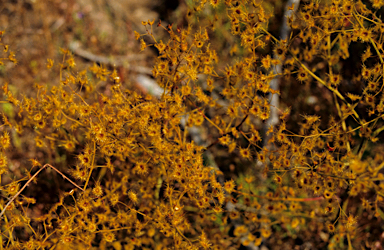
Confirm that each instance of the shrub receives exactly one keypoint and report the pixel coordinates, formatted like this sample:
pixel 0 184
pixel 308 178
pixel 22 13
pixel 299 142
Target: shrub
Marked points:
pixel 142 177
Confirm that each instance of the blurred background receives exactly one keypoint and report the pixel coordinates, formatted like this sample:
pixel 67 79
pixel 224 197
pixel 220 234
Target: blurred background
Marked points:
pixel 93 29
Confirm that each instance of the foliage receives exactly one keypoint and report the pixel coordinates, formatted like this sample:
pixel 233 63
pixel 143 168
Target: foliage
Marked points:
pixel 148 182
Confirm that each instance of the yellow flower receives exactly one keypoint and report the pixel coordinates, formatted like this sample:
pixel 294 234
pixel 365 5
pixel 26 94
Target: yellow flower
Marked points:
pixel 132 196
pixel 49 63
pixel 214 3
pixel 229 186
pixel 302 75
pixel 109 237
pixel 160 46
pixel 141 168
pixel 245 153
pixel 143 45
pixel 5 140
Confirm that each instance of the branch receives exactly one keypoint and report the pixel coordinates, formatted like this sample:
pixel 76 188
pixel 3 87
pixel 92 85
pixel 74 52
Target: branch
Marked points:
pixel 117 61
pixel 26 184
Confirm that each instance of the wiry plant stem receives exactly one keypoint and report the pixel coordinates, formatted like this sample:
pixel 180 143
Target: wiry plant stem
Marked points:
pixel 26 184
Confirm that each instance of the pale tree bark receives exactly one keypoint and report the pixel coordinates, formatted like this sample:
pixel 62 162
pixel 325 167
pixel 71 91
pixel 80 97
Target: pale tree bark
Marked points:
pixel 273 119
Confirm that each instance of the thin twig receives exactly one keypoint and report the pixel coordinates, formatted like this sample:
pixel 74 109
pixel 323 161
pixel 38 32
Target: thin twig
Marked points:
pixel 26 184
